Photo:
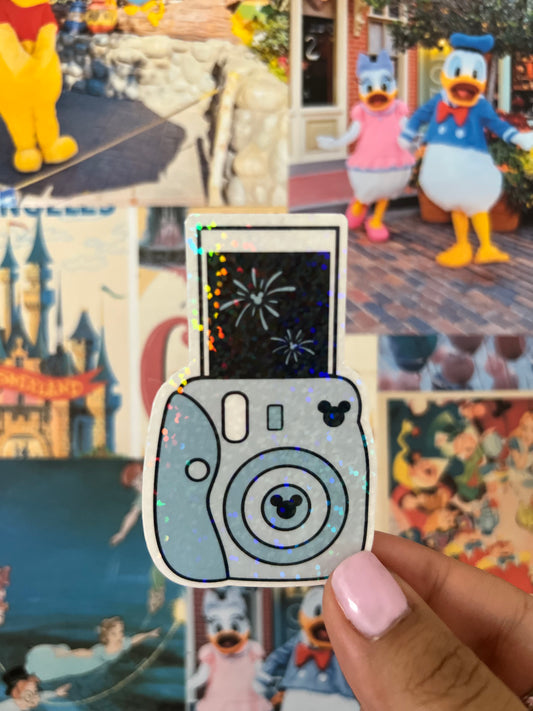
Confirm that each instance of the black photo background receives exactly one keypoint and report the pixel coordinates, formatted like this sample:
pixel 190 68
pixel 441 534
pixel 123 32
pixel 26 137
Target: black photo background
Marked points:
pixel 268 314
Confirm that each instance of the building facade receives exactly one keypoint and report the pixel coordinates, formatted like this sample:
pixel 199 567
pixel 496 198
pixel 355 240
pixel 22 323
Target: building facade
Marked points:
pixel 326 38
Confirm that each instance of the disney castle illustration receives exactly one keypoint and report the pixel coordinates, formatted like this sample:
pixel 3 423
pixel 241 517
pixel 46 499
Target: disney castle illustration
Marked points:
pixel 57 403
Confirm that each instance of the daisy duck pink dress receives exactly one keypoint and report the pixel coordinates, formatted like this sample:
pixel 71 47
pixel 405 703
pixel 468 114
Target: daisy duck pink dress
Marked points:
pixel 230 686
pixel 378 168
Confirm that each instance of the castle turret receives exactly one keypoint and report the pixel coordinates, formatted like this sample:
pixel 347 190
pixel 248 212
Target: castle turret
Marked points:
pixel 60 365
pixel 84 344
pixel 38 298
pixel 8 279
pixel 40 348
pixel 103 402
pixel 59 316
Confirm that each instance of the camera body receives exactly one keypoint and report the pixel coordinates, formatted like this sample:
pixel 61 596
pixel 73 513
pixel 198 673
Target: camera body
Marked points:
pixel 259 462
pixel 269 485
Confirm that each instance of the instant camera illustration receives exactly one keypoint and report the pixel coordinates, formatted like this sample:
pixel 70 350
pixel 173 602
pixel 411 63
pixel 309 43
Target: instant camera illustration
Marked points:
pixel 259 463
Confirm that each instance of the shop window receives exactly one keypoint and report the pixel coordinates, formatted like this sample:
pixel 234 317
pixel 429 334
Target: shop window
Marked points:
pixel 393 11
pixel 379 38
pixel 318 53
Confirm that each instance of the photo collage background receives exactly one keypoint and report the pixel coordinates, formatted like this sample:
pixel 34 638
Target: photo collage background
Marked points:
pixel 180 107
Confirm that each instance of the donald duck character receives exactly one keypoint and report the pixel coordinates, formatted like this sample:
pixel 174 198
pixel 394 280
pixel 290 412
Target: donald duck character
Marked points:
pixel 379 168
pixel 306 668
pixel 457 172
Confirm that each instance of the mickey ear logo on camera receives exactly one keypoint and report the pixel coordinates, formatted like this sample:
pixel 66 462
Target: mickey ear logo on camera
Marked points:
pixel 333 415
pixel 286 508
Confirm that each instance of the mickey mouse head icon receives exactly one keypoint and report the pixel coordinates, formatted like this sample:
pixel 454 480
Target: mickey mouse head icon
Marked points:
pixel 286 508
pixel 333 415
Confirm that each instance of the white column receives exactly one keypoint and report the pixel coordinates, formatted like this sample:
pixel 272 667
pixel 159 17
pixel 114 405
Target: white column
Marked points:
pixel 505 83
pixel 295 64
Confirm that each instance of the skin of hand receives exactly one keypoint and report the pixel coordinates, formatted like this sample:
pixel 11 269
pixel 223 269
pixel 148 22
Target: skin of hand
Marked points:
pixel 414 630
pixel 128 522
pixel 63 690
pixel 141 636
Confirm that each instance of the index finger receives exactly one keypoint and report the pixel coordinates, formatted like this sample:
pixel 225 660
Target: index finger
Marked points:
pixel 491 616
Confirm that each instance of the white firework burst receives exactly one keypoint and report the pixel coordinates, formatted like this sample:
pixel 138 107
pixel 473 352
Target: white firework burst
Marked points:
pixel 292 347
pixel 259 299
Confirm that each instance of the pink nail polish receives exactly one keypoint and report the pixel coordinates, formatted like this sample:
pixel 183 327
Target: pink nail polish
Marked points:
pixel 369 596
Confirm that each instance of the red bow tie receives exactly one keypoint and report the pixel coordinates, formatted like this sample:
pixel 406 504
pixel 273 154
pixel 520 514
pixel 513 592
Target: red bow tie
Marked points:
pixel 459 113
pixel 304 653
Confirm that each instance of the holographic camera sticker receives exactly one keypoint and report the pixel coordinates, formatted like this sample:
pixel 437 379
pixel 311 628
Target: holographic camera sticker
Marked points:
pixel 259 465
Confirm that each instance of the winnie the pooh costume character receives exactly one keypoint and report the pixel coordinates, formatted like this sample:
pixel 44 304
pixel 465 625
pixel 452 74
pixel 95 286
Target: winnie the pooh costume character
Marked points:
pixel 30 81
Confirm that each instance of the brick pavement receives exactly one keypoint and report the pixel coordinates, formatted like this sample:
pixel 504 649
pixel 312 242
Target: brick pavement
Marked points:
pixel 397 287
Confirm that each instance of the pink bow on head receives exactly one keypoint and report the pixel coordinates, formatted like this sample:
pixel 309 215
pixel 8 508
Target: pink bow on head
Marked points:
pixel 383 61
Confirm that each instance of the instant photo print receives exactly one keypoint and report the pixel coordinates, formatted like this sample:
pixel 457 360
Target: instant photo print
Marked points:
pixel 259 461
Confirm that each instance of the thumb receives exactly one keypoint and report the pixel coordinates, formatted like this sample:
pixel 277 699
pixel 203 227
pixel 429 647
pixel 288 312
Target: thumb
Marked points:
pixel 396 653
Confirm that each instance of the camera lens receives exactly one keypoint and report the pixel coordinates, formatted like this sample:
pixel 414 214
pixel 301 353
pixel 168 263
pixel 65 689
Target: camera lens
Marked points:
pixel 285 506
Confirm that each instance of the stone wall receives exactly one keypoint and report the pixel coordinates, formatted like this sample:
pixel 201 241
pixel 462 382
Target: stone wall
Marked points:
pixel 168 74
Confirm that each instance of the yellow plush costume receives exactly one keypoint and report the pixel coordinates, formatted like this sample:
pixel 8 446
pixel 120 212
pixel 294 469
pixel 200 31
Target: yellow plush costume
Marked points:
pixel 30 84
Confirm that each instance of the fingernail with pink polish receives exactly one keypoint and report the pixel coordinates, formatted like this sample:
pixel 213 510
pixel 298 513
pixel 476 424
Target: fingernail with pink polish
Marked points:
pixel 369 596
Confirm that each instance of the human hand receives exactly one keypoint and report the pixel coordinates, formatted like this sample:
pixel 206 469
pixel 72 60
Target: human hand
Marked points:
pixel 116 539
pixel 63 690
pixel 430 502
pixel 431 634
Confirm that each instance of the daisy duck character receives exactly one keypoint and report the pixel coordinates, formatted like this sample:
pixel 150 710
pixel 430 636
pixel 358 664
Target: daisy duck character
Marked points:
pixel 306 669
pixel 379 168
pixel 457 172
pixel 230 661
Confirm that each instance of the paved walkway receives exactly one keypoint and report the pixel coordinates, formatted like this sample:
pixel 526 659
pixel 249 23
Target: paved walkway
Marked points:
pixel 321 185
pixel 96 122
pixel 397 287
pixel 328 187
